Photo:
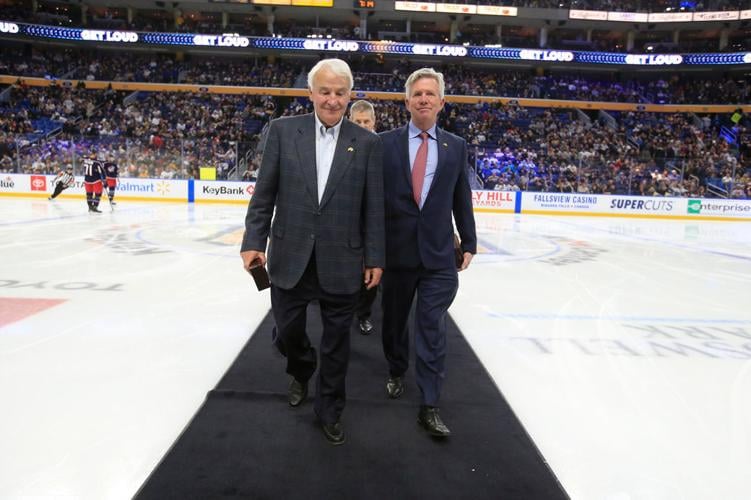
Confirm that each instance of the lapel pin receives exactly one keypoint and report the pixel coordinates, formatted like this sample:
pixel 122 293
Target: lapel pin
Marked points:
pixel 350 149
pixel 445 145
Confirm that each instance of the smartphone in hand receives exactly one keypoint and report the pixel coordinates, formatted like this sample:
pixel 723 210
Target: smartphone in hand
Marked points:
pixel 260 276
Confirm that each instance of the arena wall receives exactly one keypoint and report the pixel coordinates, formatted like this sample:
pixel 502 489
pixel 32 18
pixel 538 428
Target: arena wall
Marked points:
pixel 549 203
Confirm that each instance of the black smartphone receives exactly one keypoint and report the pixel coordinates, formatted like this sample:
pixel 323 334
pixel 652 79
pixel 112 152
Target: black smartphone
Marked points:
pixel 260 276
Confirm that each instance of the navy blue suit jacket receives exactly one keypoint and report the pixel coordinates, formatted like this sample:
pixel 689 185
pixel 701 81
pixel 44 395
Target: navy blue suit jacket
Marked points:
pixel 424 237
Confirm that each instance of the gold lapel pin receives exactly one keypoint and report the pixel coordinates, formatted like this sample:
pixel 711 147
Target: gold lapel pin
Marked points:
pixel 350 149
pixel 445 145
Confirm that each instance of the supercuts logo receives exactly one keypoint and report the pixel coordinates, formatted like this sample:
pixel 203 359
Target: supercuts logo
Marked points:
pixel 38 183
pixel 639 204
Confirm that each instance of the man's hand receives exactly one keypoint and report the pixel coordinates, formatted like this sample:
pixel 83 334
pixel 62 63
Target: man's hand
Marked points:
pixel 466 261
pixel 372 277
pixel 250 256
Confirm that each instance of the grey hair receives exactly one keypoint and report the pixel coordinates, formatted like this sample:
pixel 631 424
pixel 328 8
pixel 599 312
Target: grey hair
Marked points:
pixel 336 66
pixel 425 73
pixel 362 106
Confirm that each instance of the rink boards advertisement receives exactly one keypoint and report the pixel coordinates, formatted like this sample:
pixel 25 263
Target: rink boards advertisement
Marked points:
pixel 494 201
pixel 578 203
pixel 127 188
pixel 633 206
pixel 151 189
pixel 221 192
pixel 484 201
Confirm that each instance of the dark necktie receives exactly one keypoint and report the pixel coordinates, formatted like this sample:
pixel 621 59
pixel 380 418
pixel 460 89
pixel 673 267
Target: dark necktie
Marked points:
pixel 418 169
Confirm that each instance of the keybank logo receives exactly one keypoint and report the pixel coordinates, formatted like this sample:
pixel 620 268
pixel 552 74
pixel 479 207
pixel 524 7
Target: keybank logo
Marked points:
pixel 694 206
pixel 223 190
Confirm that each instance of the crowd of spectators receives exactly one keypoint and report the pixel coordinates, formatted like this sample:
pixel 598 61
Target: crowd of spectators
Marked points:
pixel 633 153
pixel 371 75
pixel 151 67
pixel 171 135
pixel 152 134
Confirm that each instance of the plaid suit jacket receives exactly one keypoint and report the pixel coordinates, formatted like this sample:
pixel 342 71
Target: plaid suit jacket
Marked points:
pixel 346 229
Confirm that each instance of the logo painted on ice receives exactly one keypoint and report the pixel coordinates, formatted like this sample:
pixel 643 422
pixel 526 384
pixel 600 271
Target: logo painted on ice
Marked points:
pixel 694 206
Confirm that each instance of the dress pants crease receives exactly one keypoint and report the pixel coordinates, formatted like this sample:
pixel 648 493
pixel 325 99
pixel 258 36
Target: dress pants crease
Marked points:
pixel 290 313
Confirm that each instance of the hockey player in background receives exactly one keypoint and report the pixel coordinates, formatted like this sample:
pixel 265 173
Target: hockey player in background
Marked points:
pixel 93 178
pixel 111 173
pixel 62 181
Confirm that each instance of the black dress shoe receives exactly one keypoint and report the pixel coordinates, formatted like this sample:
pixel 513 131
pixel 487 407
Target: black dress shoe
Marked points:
pixel 431 421
pixel 366 327
pixel 395 387
pixel 334 433
pixel 297 393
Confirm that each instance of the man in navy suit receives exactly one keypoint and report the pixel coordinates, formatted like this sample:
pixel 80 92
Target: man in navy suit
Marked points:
pixel 425 184
pixel 321 180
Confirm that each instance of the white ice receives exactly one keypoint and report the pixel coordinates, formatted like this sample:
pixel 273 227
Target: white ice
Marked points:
pixel 623 345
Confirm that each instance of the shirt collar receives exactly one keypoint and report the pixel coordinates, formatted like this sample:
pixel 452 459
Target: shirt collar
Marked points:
pixel 322 129
pixel 415 132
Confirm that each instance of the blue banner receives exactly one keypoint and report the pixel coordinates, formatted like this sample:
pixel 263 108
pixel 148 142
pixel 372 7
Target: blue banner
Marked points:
pixel 234 40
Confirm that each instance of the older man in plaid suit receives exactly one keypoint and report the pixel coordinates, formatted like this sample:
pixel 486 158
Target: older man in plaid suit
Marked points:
pixel 321 179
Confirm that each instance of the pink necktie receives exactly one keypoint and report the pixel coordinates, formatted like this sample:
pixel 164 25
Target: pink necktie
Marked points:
pixel 418 169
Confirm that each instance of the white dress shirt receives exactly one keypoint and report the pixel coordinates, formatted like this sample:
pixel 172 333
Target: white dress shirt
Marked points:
pixel 326 138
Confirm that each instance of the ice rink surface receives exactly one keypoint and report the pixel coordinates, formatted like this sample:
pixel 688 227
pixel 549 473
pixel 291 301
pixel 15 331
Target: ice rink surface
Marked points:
pixel 623 345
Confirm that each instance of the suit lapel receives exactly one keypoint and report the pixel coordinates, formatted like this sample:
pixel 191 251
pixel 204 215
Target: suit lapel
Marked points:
pixel 343 155
pixel 403 154
pixel 306 150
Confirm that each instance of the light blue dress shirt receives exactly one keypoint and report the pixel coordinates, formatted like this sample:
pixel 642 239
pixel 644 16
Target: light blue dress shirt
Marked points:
pixel 414 143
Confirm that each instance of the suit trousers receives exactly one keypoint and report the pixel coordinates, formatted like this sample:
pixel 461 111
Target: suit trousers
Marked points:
pixel 435 290
pixel 289 307
pixel 365 302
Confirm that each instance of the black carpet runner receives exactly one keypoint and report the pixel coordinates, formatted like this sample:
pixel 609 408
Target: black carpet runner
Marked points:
pixel 246 442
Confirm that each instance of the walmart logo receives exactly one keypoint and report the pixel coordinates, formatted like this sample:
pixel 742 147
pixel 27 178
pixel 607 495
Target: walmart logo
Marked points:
pixel 694 206
pixel 162 187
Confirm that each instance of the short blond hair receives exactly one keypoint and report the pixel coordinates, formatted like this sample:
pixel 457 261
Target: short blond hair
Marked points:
pixel 425 73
